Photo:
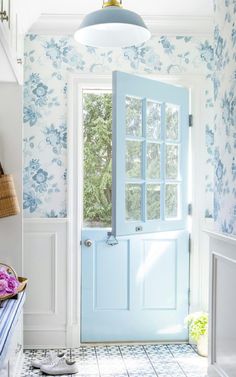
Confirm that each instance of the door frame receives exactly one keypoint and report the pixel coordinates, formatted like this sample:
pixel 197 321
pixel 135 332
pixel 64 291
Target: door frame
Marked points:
pixel 198 260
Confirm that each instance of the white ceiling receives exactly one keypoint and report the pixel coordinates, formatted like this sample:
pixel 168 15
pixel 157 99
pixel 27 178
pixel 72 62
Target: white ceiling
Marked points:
pixel 144 7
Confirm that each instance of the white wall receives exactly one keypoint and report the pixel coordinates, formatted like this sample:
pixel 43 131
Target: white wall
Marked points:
pixel 11 158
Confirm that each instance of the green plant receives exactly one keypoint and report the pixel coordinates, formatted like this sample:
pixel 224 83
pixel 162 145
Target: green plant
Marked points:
pixel 97 193
pixel 97 111
pixel 197 324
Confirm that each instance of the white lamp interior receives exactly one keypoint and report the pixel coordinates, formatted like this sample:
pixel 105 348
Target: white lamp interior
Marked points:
pixel 112 35
pixel 112 26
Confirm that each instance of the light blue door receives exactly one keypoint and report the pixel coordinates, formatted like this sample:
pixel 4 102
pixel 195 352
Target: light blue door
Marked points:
pixel 137 290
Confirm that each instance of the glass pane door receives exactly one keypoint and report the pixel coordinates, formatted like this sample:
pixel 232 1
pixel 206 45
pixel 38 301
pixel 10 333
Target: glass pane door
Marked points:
pixel 150 150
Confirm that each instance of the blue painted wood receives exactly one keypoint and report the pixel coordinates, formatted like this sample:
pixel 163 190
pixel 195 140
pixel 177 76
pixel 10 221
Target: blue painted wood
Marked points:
pixel 9 315
pixel 138 289
pixel 129 85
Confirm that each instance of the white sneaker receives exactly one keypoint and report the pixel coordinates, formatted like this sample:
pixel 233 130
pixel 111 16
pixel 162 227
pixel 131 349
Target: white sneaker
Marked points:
pixel 61 366
pixel 49 359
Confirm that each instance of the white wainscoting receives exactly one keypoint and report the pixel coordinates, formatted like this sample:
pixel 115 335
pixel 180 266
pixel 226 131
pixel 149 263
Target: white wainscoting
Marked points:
pixel 45 264
pixel 222 327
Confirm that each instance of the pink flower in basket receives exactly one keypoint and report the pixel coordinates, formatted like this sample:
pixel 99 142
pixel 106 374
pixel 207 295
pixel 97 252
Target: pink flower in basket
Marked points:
pixel 8 283
pixel 3 274
pixel 3 287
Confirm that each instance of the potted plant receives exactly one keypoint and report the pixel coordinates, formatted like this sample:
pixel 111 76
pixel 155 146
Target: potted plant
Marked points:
pixel 198 331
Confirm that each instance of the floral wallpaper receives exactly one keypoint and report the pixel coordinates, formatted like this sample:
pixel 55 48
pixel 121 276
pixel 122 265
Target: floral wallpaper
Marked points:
pixel 225 116
pixel 48 62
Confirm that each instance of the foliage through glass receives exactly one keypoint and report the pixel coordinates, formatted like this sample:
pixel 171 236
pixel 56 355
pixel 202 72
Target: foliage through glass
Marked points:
pixel 97 121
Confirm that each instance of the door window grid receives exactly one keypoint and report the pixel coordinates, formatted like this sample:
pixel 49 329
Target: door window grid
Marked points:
pixel 167 144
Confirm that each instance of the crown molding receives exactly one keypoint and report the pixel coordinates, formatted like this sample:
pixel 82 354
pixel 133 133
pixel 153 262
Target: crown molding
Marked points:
pixel 66 24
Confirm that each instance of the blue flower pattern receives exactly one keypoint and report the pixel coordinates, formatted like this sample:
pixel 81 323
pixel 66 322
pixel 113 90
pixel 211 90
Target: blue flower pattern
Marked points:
pixel 57 139
pixel 48 60
pixel 225 117
pixel 37 97
pixel 38 184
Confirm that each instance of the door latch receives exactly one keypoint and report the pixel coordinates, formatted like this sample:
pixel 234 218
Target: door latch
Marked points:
pixel 111 239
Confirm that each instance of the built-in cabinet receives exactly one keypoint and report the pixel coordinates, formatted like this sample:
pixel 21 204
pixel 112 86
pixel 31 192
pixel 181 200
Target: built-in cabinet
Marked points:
pixel 11 340
pixel 16 17
pixel 6 18
pixel 12 364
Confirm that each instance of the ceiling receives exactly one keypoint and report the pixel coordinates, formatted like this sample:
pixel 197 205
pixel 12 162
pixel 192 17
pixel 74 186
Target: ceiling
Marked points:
pixel 144 7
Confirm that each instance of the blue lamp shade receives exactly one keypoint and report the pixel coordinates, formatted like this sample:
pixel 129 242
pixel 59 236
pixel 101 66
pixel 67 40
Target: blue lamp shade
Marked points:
pixel 112 27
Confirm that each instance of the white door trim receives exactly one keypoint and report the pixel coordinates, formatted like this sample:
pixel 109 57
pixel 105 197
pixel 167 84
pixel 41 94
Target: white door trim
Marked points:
pixel 75 200
pixel 75 193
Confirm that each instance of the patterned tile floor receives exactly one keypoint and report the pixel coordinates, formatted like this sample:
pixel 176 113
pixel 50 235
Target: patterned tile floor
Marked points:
pixel 149 360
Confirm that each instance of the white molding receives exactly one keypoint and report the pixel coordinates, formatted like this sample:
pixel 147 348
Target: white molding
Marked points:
pixel 39 329
pixel 54 272
pixel 221 237
pixel 74 226
pixel 66 24
pixel 49 220
pixel 54 314
pixel 76 84
pixel 213 371
pixel 222 247
pixel 75 178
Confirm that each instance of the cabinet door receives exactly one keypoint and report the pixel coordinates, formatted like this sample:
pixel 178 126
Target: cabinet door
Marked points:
pixel 16 350
pixel 19 46
pixel 17 38
pixel 12 36
pixel 4 369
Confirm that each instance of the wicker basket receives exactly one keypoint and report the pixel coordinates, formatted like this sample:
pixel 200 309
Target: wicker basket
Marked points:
pixel 23 281
pixel 9 205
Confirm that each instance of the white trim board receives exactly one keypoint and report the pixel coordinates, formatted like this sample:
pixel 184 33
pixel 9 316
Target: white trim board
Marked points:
pixel 75 177
pixel 44 262
pixel 221 236
pixel 45 220
pixel 222 305
pixel 66 24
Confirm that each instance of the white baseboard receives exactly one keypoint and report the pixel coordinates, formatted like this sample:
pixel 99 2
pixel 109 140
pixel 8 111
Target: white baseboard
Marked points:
pixel 213 371
pixel 44 338
pixel 73 336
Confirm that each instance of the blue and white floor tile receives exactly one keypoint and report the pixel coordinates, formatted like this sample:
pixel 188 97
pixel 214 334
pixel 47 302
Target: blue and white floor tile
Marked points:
pixel 148 360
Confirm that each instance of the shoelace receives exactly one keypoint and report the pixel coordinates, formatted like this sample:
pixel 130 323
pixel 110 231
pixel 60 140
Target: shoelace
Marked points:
pixel 49 359
pixel 59 361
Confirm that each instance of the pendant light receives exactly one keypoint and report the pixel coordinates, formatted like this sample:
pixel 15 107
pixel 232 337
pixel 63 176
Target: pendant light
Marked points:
pixel 112 26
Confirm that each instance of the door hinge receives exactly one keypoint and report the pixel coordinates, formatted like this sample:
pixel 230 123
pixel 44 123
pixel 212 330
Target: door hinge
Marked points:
pixel 189 244
pixel 190 120
pixel 189 296
pixel 190 209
